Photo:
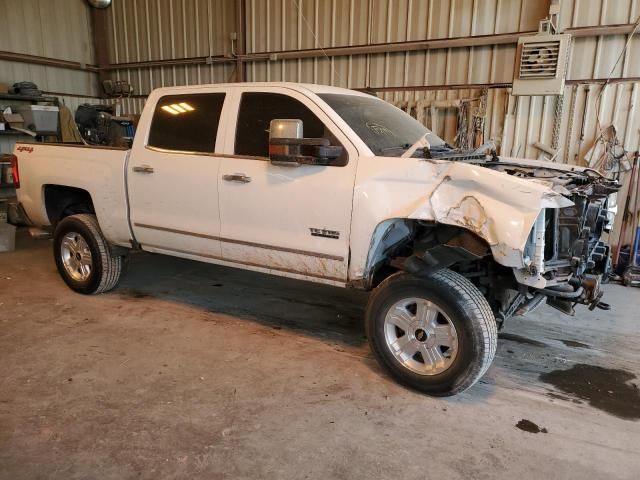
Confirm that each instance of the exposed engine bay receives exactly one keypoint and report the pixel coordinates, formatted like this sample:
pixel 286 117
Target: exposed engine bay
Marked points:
pixel 575 258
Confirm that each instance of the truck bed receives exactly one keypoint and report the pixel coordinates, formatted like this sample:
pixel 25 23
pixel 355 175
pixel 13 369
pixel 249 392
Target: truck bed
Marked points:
pixel 100 171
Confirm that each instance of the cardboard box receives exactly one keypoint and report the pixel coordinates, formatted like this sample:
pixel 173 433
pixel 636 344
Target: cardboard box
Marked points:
pixel 7 235
pixel 14 119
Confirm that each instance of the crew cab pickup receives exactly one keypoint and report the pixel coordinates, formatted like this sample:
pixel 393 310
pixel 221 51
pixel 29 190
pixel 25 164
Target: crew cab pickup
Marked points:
pixel 334 186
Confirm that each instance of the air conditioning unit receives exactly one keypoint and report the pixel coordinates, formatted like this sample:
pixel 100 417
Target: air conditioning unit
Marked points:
pixel 541 64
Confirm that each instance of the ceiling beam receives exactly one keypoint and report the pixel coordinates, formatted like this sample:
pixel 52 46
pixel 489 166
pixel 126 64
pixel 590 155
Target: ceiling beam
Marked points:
pixel 377 48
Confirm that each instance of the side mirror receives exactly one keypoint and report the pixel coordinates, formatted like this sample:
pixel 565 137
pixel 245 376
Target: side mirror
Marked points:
pixel 287 147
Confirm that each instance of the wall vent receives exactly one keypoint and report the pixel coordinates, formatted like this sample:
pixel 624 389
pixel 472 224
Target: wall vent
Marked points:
pixel 541 65
pixel 539 59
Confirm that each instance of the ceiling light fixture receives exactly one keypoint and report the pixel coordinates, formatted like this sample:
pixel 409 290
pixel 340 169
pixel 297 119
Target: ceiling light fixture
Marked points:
pixel 167 108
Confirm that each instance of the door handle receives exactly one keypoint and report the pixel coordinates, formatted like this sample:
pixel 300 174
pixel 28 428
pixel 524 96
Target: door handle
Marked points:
pixel 236 177
pixel 143 169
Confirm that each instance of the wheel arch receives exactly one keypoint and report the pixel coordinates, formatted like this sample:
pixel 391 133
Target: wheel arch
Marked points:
pixel 60 201
pixel 394 242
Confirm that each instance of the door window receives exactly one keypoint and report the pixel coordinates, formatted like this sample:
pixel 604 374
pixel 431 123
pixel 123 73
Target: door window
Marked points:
pixel 257 109
pixel 186 122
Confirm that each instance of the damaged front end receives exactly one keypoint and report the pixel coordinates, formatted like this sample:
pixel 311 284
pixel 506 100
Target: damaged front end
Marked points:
pixel 564 246
pixel 523 232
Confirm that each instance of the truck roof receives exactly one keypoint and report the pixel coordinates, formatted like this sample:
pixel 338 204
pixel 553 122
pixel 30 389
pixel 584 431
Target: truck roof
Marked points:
pixel 302 87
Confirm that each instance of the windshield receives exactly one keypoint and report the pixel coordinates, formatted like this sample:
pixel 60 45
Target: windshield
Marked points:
pixel 387 130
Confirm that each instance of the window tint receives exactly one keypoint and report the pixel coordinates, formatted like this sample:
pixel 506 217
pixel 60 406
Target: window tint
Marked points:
pixel 256 112
pixel 186 122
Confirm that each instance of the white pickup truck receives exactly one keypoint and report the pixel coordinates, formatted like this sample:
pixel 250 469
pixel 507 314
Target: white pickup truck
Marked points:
pixel 333 186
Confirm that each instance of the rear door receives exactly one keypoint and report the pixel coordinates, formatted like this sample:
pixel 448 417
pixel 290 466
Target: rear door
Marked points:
pixel 290 220
pixel 173 175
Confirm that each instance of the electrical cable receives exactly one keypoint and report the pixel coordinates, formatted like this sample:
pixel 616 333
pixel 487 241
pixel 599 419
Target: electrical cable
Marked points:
pixel 606 82
pixel 316 38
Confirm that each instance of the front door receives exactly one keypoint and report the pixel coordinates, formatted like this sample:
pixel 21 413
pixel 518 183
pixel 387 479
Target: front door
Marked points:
pixel 289 220
pixel 172 176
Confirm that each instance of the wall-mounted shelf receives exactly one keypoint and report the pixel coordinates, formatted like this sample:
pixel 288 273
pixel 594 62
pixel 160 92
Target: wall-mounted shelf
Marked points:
pixel 28 98
pixel 12 97
pixel 13 132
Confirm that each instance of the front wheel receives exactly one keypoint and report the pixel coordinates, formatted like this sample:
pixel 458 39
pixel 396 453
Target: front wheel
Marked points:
pixel 435 334
pixel 83 256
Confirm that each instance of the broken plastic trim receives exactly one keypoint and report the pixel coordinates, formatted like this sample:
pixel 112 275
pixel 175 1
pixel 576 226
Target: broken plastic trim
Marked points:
pixel 437 258
pixel 463 247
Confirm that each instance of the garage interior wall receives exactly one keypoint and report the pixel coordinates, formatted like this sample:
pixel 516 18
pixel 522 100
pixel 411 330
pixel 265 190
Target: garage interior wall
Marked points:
pixel 40 28
pixel 309 41
pixel 144 32
pixel 467 57
pixel 34 31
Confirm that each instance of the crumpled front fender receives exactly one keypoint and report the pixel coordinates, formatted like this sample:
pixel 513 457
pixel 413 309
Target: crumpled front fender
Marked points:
pixel 498 207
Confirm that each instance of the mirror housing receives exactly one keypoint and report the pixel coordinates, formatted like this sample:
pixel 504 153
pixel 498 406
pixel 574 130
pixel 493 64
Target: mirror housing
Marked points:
pixel 285 128
pixel 287 147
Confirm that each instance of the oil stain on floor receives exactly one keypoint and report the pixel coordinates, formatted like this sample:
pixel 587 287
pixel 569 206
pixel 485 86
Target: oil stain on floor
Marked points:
pixel 512 337
pixel 574 344
pixel 607 389
pixel 529 426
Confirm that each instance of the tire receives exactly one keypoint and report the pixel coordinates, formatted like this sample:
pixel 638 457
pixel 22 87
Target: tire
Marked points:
pixel 83 256
pixel 458 322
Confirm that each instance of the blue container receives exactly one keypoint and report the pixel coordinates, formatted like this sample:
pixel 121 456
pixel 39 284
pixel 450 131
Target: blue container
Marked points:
pixel 636 246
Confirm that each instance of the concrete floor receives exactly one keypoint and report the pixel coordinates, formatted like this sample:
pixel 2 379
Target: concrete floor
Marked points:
pixel 190 370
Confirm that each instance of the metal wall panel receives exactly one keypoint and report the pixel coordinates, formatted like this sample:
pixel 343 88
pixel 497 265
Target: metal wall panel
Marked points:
pixel 43 28
pixel 143 30
pixel 595 57
pixel 516 123
pixel 148 30
pixel 275 25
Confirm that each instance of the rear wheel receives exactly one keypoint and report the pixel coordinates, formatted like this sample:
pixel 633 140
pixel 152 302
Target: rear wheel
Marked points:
pixel 83 256
pixel 436 334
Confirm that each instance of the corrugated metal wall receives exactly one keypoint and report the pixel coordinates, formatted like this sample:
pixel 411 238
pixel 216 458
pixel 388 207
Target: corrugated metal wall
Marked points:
pixel 419 81
pixel 275 25
pixel 45 28
pixel 142 30
pixel 156 30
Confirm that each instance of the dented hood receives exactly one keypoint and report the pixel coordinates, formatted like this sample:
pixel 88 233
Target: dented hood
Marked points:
pixel 564 179
pixel 498 207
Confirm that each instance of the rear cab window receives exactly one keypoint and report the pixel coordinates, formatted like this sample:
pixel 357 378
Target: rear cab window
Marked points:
pixel 187 123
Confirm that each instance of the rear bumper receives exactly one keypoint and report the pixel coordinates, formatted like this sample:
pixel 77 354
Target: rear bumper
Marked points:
pixel 17 216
